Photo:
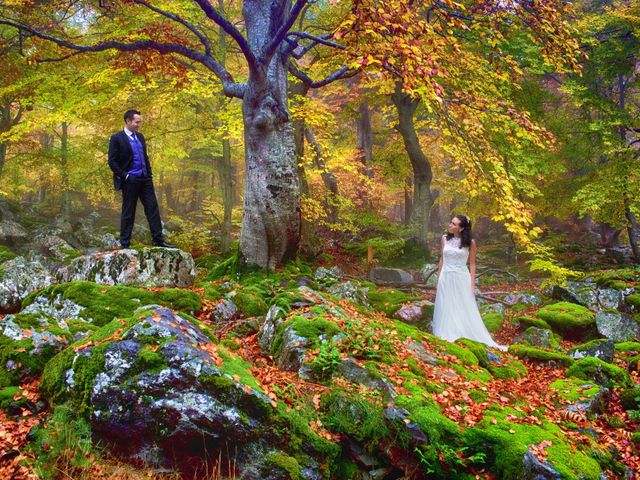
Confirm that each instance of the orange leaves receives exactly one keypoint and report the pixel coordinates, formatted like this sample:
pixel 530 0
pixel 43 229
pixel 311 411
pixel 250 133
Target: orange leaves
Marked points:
pixel 212 349
pixel 539 450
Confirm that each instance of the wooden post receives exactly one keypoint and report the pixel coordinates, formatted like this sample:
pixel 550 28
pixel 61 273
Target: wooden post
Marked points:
pixel 370 254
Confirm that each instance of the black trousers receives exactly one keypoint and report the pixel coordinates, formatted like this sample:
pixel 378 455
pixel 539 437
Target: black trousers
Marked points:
pixel 135 188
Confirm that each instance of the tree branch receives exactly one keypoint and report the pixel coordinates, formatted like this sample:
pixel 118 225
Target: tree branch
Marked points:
pixel 281 34
pixel 324 39
pixel 233 32
pixel 230 87
pixel 204 40
pixel 337 75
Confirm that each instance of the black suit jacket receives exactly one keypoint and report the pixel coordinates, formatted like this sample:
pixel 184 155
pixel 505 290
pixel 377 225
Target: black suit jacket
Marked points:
pixel 121 156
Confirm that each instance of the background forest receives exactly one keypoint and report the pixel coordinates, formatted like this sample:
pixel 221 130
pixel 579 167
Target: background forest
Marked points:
pixel 564 143
pixel 307 157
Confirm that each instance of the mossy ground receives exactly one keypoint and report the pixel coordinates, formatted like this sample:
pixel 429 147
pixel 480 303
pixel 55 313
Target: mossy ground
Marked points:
pixel 104 303
pixel 567 318
pixel 319 418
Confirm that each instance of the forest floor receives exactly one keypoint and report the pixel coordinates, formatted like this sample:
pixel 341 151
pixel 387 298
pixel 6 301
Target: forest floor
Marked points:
pixel 613 428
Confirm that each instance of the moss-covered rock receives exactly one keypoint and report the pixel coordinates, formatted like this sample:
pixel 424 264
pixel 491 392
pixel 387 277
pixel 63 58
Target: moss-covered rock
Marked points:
pixel 6 254
pixel 568 319
pixel 526 322
pixel 389 300
pixel 103 303
pixel 627 347
pixel 594 369
pixel 601 348
pixel 157 380
pixel 506 443
pixel 630 398
pixel 508 370
pixel 577 395
pixel 540 337
pixel 633 300
pixel 540 355
pixel 493 321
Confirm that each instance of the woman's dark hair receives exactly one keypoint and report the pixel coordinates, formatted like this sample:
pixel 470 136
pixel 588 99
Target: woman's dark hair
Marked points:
pixel 465 234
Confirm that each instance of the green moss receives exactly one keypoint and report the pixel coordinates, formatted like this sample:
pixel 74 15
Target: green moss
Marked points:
pixel 567 318
pixel 633 300
pixel 6 254
pixel 389 300
pixel 238 368
pixel 7 394
pixel 104 303
pixel 426 413
pixel 345 470
pixel 493 321
pixel 513 370
pixel 626 347
pixel 505 443
pixel 465 356
pixel 478 396
pixel 473 374
pixel 603 373
pixel 62 444
pixel 519 307
pixel 294 424
pixel 357 417
pixel 310 328
pixel 405 331
pixel 630 398
pixel 575 390
pixel 32 320
pixel 527 322
pixel 477 348
pixel 282 461
pixel 540 355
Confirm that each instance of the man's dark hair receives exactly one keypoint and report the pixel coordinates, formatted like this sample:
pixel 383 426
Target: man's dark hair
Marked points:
pixel 128 115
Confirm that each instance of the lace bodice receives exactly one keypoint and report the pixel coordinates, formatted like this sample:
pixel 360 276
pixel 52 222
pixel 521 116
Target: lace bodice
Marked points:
pixel 454 257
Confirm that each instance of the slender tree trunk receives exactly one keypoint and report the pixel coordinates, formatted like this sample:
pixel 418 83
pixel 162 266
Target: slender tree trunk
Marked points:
pixel 328 178
pixel 633 227
pixel 226 182
pixel 64 159
pixel 226 169
pixel 271 221
pixel 422 175
pixel 365 148
pixel 3 155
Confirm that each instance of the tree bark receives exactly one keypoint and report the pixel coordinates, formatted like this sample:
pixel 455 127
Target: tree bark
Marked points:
pixel 3 155
pixel 226 182
pixel 633 227
pixel 299 88
pixel 408 202
pixel 328 178
pixel 422 174
pixel 271 221
pixel 64 161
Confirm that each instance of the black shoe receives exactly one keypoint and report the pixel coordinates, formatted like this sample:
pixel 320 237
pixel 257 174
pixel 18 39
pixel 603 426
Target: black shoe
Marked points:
pixel 123 246
pixel 164 244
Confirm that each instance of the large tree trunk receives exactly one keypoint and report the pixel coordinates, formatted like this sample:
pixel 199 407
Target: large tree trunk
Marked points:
pixel 271 220
pixel 422 175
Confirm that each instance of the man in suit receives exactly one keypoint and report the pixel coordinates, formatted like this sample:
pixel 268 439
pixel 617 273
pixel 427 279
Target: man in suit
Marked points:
pixel 129 162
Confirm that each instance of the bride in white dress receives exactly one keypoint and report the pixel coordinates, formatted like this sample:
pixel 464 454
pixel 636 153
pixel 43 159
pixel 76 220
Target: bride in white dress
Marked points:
pixel 456 313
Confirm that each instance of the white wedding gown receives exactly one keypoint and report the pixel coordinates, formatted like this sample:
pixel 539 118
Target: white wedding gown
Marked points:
pixel 456 313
